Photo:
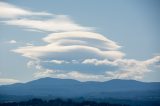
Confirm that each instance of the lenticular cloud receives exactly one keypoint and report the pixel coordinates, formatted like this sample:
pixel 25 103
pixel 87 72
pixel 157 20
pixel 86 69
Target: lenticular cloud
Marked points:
pixel 74 51
pixel 86 54
pixel 73 45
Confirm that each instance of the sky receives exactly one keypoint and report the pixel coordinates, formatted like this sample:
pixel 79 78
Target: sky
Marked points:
pixel 83 40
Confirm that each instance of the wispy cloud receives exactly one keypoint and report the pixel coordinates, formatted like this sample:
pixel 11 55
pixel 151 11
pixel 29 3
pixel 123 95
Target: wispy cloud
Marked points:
pixel 11 11
pixel 81 76
pixel 128 68
pixel 57 23
pixel 4 81
pixel 70 75
pixel 46 73
pixel 14 15
pixel 34 21
pixel 12 41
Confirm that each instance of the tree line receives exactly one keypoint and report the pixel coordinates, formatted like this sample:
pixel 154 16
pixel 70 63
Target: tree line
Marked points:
pixel 58 102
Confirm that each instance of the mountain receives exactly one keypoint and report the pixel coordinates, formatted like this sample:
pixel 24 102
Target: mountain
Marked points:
pixel 68 88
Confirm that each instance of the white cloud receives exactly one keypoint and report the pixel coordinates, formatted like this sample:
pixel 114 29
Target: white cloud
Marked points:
pixel 29 44
pixel 70 75
pixel 12 41
pixel 56 24
pixel 123 62
pixel 4 81
pixel 31 63
pixel 72 44
pixel 152 61
pixel 43 73
pixel 83 38
pixel 13 15
pixel 56 52
pixel 80 76
pixel 136 73
pixel 58 61
pixel 35 64
pixel 64 47
pixel 11 11
pixel 75 61
pixel 98 62
pixel 128 68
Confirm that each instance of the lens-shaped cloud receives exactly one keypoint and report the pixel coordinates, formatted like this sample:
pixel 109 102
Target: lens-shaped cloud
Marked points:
pixel 73 46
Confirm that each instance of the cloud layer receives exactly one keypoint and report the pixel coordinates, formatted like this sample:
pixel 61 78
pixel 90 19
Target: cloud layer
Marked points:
pixel 12 41
pixel 58 23
pixel 127 68
pixel 72 50
pixel 8 81
pixel 73 45
pixel 11 11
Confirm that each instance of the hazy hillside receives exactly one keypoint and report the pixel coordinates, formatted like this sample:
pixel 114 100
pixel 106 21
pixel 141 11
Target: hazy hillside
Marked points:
pixel 72 88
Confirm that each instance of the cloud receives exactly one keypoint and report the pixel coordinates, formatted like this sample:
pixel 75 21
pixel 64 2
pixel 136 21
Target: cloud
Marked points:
pixel 80 76
pixel 67 50
pixel 57 23
pixel 34 21
pixel 59 61
pixel 31 63
pixel 72 50
pixel 124 62
pixel 12 41
pixel 71 46
pixel 128 68
pixel 11 11
pixel 98 62
pixel 4 81
pixel 70 75
pixel 43 73
pixel 83 38
pixel 29 44
pixel 85 48
pixel 152 61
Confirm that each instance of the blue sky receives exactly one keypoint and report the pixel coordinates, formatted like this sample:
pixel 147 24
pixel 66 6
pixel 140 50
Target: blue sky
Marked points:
pixel 83 40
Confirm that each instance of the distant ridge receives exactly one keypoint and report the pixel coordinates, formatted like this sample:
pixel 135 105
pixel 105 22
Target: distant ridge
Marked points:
pixel 116 88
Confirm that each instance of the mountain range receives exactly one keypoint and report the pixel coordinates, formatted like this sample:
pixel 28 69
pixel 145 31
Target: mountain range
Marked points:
pixel 68 88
